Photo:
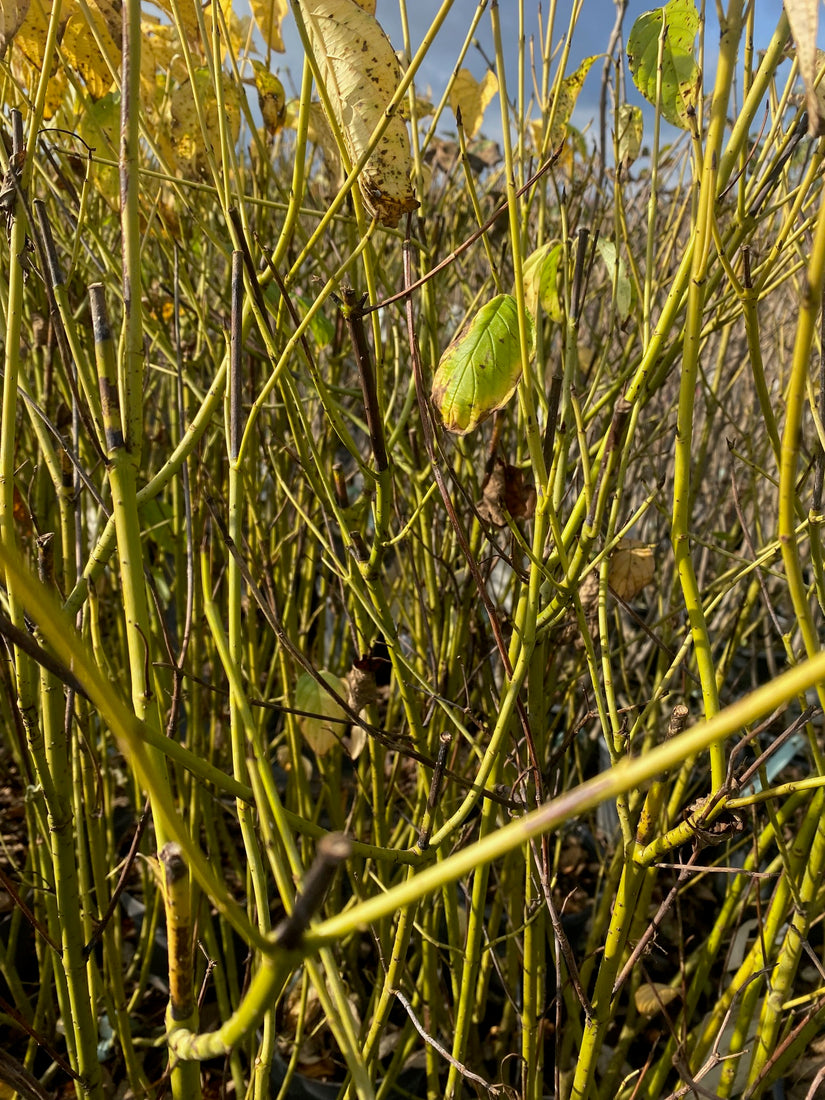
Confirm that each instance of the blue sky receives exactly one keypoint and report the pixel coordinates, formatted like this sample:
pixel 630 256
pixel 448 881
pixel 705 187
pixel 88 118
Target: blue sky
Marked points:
pixel 591 36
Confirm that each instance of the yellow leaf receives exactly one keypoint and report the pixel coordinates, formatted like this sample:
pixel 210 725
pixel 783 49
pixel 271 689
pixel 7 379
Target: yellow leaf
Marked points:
pixel 651 997
pixel 568 94
pixel 185 131
pixel 271 98
pixel 361 73
pixel 472 98
pixel 319 133
pixel 269 14
pixel 237 27
pixel 92 46
pixel 30 34
pixel 186 14
pixel 631 568
pixel 541 278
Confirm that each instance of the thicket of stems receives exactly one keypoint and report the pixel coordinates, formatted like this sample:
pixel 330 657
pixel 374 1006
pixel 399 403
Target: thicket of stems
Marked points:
pixel 220 472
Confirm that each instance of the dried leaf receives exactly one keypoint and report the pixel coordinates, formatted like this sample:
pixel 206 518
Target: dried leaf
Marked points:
pixel 361 73
pixel 362 690
pixel 506 491
pixel 12 16
pixel 471 98
pixel 632 566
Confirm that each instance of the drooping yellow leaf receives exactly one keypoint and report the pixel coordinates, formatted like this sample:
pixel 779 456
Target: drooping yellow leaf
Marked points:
pixel 568 94
pixel 269 14
pixel 632 566
pixel 361 73
pixel 271 98
pixel 471 98
pixel 324 722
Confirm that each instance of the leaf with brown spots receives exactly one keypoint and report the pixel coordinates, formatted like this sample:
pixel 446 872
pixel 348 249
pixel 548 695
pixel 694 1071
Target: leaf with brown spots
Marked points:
pixel 361 73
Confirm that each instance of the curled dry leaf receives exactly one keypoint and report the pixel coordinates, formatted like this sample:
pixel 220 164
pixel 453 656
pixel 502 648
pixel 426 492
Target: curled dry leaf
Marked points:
pixel 362 690
pixel 568 94
pixel 506 491
pixel 12 15
pixel 632 566
pixel 361 73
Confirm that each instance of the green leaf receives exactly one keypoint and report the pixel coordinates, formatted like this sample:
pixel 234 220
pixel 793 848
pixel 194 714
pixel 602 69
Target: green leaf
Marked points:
pixel 479 371
pixel 99 127
pixel 321 735
pixel 618 273
pixel 541 281
pixel 320 326
pixel 679 21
